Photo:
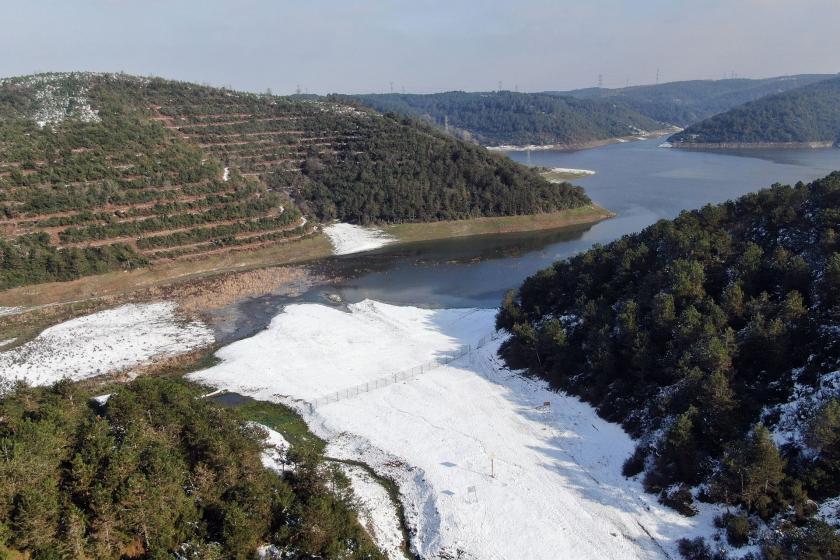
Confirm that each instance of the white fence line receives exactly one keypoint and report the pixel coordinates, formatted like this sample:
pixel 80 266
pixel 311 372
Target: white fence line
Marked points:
pixel 384 381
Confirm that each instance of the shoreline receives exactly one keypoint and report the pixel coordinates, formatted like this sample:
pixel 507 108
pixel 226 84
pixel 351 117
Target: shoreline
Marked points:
pixel 816 145
pixel 429 231
pixel 121 286
pixel 576 146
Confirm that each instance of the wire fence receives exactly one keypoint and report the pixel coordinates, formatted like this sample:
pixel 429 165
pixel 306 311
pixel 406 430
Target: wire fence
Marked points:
pixel 396 377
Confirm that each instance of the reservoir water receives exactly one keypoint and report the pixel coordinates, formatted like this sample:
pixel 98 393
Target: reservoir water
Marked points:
pixel 639 181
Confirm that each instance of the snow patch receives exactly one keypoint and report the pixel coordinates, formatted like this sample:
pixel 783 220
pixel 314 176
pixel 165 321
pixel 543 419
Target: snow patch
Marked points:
pixel 101 400
pixel 6 342
pixel 796 414
pixel 275 451
pixel 483 463
pixel 349 238
pixel 573 171
pixel 226 174
pixel 10 311
pixel 102 343
pixel 376 511
pixel 830 512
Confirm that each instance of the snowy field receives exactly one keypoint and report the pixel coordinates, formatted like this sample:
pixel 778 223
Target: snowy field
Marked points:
pixel 485 470
pixel 349 238
pixel 102 343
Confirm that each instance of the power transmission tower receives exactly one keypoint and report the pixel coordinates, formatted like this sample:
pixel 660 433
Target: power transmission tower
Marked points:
pixel 500 85
pixel 297 90
pixel 600 80
pixel 391 85
pixel 657 75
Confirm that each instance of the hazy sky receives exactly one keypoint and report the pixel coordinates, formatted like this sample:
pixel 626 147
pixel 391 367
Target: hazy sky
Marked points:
pixel 422 45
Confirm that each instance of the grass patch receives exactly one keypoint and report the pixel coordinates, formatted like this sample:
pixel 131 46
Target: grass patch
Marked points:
pixel 555 175
pixel 281 419
pixel 590 213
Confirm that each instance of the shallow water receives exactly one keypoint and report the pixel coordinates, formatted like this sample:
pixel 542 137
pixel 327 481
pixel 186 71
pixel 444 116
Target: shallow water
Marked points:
pixel 639 181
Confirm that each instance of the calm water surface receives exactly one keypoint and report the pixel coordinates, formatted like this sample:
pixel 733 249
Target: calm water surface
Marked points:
pixel 639 181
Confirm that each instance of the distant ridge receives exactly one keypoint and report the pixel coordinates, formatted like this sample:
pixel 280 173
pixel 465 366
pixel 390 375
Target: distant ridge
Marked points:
pixel 517 119
pixel 807 117
pixel 687 102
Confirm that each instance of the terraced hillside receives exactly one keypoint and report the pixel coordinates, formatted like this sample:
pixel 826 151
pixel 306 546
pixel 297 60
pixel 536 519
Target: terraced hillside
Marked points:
pixel 103 172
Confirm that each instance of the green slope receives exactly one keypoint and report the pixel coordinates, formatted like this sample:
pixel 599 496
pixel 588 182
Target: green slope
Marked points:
pixel 103 172
pixel 803 115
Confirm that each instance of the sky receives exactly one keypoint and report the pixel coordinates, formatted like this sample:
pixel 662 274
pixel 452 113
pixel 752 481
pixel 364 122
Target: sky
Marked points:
pixel 356 46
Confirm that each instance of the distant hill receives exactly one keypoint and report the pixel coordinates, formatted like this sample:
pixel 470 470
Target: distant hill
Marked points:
pixel 105 171
pixel 509 118
pixel 684 103
pixel 805 116
pixel 714 339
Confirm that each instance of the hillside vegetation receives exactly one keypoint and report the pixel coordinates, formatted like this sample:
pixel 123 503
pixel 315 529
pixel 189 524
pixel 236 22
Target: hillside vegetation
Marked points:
pixel 508 118
pixel 104 172
pixel 713 338
pixel 685 103
pixel 158 473
pixel 804 115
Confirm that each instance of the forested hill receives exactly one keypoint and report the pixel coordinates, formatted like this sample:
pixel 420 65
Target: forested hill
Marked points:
pixel 809 114
pixel 105 171
pixel 685 103
pixel 714 339
pixel 508 118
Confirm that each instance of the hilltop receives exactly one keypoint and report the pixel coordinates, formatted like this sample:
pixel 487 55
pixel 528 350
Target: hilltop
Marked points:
pixel 509 118
pixel 103 172
pixel 687 102
pixel 713 339
pixel 805 117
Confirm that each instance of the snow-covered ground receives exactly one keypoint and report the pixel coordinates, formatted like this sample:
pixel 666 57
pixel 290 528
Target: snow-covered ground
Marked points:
pixel 485 470
pixel 349 238
pixel 10 310
pixel 104 342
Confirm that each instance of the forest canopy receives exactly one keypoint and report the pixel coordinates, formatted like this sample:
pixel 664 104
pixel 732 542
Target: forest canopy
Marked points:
pixel 156 472
pixel 713 339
